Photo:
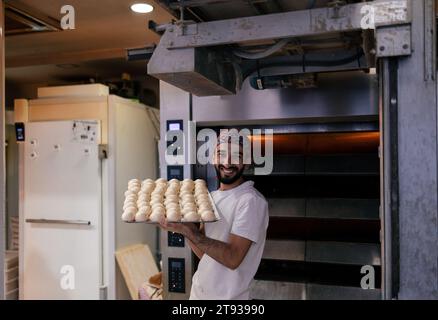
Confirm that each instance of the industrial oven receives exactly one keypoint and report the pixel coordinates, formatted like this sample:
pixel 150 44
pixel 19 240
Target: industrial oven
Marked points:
pixel 323 192
pixel 352 101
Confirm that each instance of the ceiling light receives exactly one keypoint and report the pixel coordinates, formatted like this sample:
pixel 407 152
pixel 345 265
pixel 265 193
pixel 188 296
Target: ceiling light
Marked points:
pixel 142 8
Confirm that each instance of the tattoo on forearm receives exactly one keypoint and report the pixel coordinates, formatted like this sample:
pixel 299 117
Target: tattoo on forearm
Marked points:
pixel 216 249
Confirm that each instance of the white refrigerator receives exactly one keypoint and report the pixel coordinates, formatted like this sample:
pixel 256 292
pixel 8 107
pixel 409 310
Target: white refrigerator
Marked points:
pixel 78 155
pixel 62 211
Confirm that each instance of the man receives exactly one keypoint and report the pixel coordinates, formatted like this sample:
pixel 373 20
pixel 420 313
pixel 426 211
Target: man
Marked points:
pixel 230 250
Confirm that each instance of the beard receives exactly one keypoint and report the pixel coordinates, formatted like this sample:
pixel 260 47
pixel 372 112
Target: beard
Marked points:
pixel 229 178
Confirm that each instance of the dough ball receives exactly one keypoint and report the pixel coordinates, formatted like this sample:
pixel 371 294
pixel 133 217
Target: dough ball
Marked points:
pixel 202 199
pixel 134 182
pixel 185 193
pixel 157 216
pixel 147 188
pixel 161 185
pixel 173 216
pixel 144 196
pixel 186 204
pixel 207 215
pixel 171 192
pixel 201 186
pixel 141 203
pixel 177 210
pixel 159 192
pixel 174 187
pixel 157 205
pixel 205 206
pixel 145 206
pixel 199 196
pixel 188 198
pixel 131 196
pixel 131 209
pixel 187 188
pixel 135 189
pixel 200 183
pixel 129 214
pixel 174 181
pixel 172 205
pixel 189 207
pixel 161 180
pixel 147 181
pixel 130 193
pixel 191 217
pixel 187 182
pixel 173 197
pixel 141 217
pixel 157 196
pixel 158 208
pixel 129 205
pixel 146 209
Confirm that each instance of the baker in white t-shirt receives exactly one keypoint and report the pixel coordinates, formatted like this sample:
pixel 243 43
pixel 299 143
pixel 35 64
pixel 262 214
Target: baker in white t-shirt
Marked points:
pixel 230 249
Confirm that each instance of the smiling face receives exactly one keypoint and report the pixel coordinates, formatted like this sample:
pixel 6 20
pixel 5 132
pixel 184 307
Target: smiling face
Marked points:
pixel 229 163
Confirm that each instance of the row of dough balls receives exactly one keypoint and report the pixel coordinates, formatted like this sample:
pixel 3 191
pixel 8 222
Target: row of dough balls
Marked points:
pixel 186 201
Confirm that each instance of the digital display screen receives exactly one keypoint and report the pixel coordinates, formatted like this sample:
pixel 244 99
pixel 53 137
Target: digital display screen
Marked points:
pixel 176 264
pixel 175 172
pixel 19 131
pixel 174 126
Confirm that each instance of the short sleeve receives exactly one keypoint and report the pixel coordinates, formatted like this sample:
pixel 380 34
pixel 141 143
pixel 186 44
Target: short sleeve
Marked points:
pixel 250 218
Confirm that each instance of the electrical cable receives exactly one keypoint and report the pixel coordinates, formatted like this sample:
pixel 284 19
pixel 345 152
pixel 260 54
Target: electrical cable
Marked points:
pixel 266 53
pixel 310 63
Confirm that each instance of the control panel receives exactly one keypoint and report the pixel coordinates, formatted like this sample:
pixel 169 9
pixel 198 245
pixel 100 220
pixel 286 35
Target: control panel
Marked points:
pixel 176 251
pixel 175 240
pixel 177 280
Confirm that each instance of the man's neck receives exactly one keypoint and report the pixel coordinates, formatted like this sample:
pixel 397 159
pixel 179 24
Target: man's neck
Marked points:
pixel 225 187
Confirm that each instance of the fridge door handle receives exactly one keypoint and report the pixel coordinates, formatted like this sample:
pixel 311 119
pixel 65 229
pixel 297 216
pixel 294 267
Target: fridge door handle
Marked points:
pixel 49 221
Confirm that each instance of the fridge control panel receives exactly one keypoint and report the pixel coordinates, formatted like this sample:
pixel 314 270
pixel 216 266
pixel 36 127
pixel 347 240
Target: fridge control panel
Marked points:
pixel 177 281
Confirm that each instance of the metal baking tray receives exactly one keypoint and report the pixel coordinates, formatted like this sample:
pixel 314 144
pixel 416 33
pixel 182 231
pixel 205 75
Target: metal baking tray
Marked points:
pixel 216 213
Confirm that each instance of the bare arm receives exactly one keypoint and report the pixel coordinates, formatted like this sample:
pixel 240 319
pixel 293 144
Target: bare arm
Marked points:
pixel 229 254
pixel 199 253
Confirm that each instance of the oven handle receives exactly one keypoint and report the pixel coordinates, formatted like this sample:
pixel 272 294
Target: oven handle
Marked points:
pixel 48 221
